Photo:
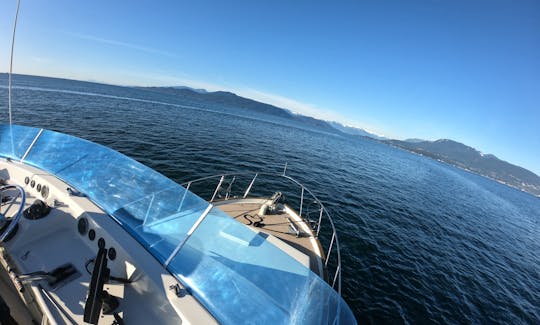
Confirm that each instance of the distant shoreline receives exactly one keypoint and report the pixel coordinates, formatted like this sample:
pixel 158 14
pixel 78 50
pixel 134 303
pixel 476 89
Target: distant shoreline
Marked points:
pixel 462 168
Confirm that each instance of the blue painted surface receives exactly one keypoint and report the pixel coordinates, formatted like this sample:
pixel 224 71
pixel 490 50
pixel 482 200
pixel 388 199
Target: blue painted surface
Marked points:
pixel 233 271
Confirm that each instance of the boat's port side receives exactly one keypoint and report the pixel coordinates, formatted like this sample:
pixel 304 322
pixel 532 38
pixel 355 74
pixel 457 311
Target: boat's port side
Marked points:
pixel 64 241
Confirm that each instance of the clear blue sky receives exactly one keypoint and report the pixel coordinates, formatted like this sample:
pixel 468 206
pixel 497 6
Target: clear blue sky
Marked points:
pixel 466 70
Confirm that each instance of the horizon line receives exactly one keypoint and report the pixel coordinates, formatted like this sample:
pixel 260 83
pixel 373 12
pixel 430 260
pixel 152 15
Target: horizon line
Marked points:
pixel 263 102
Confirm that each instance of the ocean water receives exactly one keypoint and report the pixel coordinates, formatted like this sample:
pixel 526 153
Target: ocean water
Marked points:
pixel 421 241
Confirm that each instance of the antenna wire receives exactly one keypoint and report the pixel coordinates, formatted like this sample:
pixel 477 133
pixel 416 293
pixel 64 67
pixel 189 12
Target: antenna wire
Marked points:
pixel 11 60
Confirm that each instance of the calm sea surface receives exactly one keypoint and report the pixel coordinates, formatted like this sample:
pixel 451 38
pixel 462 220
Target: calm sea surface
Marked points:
pixel 421 241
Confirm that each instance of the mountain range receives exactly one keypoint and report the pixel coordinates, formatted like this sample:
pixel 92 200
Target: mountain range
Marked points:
pixel 445 150
pixel 355 131
pixel 233 101
pixel 468 158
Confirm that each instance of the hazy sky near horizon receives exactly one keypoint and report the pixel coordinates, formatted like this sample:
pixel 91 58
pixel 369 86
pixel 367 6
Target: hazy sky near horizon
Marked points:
pixel 463 69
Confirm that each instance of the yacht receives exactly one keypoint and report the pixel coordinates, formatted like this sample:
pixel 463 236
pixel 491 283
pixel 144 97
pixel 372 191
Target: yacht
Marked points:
pixel 88 235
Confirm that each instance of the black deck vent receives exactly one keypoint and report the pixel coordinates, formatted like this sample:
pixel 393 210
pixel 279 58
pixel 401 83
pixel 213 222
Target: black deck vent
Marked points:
pixel 37 210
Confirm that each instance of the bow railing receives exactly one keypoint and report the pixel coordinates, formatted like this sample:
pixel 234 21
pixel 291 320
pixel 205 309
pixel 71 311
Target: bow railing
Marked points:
pixel 312 211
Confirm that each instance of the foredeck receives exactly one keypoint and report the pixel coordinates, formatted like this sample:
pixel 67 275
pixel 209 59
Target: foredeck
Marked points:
pixel 286 225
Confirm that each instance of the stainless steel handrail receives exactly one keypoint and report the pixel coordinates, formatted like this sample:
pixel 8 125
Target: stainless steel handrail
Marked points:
pixel 334 242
